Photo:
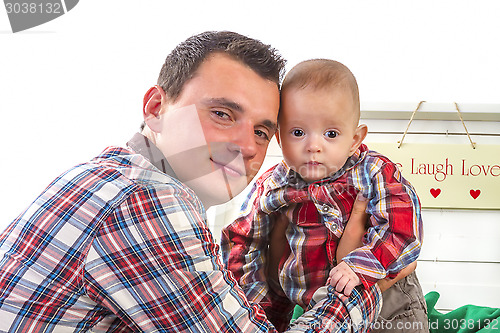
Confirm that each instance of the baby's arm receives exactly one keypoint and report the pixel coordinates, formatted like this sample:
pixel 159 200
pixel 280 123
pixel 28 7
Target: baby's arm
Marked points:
pixel 393 239
pixel 342 277
pixel 352 237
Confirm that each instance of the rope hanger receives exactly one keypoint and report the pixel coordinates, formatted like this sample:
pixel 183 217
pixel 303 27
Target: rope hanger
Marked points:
pixel 473 144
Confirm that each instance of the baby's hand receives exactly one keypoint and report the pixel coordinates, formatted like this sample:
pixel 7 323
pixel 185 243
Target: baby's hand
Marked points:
pixel 343 278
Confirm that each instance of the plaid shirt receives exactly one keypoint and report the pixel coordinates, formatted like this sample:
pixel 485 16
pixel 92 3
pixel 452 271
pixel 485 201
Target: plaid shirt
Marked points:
pixel 318 213
pixel 118 245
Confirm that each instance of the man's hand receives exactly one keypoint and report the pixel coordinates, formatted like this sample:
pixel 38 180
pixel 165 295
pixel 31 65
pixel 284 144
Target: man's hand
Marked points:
pixel 385 284
pixel 343 278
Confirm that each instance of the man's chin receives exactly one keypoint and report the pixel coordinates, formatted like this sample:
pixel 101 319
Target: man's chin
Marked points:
pixel 215 189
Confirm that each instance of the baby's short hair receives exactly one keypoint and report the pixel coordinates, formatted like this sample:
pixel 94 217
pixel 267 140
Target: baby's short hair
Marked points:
pixel 322 74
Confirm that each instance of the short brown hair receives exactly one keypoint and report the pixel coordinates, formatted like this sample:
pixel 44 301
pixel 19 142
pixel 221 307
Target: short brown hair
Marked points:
pixel 181 64
pixel 322 74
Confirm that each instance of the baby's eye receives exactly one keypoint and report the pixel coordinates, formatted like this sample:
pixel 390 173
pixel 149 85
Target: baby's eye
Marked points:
pixel 331 134
pixel 297 132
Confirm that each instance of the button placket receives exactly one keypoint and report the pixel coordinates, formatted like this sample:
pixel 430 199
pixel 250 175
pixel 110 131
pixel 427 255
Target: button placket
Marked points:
pixel 325 208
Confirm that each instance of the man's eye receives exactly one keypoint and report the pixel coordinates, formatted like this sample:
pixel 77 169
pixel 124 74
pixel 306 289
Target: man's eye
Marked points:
pixel 331 134
pixel 297 132
pixel 262 134
pixel 221 114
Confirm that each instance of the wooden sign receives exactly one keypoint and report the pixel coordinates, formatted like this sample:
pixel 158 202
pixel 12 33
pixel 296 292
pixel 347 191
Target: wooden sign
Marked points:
pixel 449 176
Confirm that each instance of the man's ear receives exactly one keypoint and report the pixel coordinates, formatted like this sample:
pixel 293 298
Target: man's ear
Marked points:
pixel 151 108
pixel 359 136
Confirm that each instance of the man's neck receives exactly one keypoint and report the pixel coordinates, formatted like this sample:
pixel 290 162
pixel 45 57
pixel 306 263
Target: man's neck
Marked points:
pixel 141 144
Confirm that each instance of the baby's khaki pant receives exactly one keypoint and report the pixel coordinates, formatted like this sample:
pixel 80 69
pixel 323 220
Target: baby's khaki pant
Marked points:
pixel 404 309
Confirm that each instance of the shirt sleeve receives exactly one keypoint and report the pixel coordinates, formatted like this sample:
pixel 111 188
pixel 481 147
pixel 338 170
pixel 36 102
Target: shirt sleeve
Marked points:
pixel 244 248
pixel 156 267
pixel 394 237
pixel 355 313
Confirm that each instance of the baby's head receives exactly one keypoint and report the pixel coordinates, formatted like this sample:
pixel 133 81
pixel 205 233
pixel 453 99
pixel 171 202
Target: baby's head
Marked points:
pixel 318 119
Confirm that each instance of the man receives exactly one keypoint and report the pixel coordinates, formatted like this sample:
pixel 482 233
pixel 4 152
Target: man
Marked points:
pixel 120 244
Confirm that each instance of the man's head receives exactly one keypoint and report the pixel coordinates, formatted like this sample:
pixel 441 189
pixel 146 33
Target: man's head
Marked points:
pixel 214 111
pixel 319 115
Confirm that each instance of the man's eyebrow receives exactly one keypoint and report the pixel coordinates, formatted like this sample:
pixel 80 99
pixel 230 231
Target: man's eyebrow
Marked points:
pixel 271 125
pixel 224 102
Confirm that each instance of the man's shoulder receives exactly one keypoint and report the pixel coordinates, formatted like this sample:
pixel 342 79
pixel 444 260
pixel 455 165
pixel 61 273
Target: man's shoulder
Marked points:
pixel 113 152
pixel 117 174
pixel 132 166
pixel 117 158
pixel 121 169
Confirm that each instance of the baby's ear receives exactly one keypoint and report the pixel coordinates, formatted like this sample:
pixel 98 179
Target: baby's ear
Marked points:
pixel 359 136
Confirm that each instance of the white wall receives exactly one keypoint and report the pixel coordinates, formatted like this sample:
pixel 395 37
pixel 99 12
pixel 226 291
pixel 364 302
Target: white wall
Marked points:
pixel 72 86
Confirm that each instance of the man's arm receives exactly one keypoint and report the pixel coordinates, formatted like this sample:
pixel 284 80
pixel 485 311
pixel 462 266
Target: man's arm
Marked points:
pixel 156 267
pixel 385 284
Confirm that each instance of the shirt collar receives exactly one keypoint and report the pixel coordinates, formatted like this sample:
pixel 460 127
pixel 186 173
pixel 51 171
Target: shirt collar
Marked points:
pixel 283 175
pixel 142 145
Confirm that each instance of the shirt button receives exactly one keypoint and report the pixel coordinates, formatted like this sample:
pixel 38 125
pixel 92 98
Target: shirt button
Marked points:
pixel 325 208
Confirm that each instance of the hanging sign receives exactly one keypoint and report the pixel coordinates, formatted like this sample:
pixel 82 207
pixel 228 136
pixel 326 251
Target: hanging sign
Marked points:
pixel 449 176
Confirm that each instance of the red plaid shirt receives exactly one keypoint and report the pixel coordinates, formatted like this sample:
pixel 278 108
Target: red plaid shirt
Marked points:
pixel 118 245
pixel 318 213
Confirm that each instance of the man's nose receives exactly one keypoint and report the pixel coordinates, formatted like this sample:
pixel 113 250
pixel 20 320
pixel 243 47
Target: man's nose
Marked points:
pixel 245 141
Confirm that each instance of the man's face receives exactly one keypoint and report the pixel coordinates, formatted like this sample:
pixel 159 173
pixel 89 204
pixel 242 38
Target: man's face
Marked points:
pixel 317 131
pixel 216 133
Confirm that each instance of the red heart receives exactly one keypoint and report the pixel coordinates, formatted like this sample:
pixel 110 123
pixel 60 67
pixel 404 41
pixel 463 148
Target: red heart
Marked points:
pixel 475 193
pixel 435 192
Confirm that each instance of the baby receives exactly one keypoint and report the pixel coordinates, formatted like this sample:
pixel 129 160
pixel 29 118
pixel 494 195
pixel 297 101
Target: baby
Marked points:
pixel 308 199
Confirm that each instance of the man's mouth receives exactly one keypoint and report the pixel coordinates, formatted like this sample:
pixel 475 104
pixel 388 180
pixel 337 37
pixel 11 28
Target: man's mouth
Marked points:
pixel 229 170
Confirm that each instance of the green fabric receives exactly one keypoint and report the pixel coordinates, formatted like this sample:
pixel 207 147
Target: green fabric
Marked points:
pixel 466 319
pixel 297 312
